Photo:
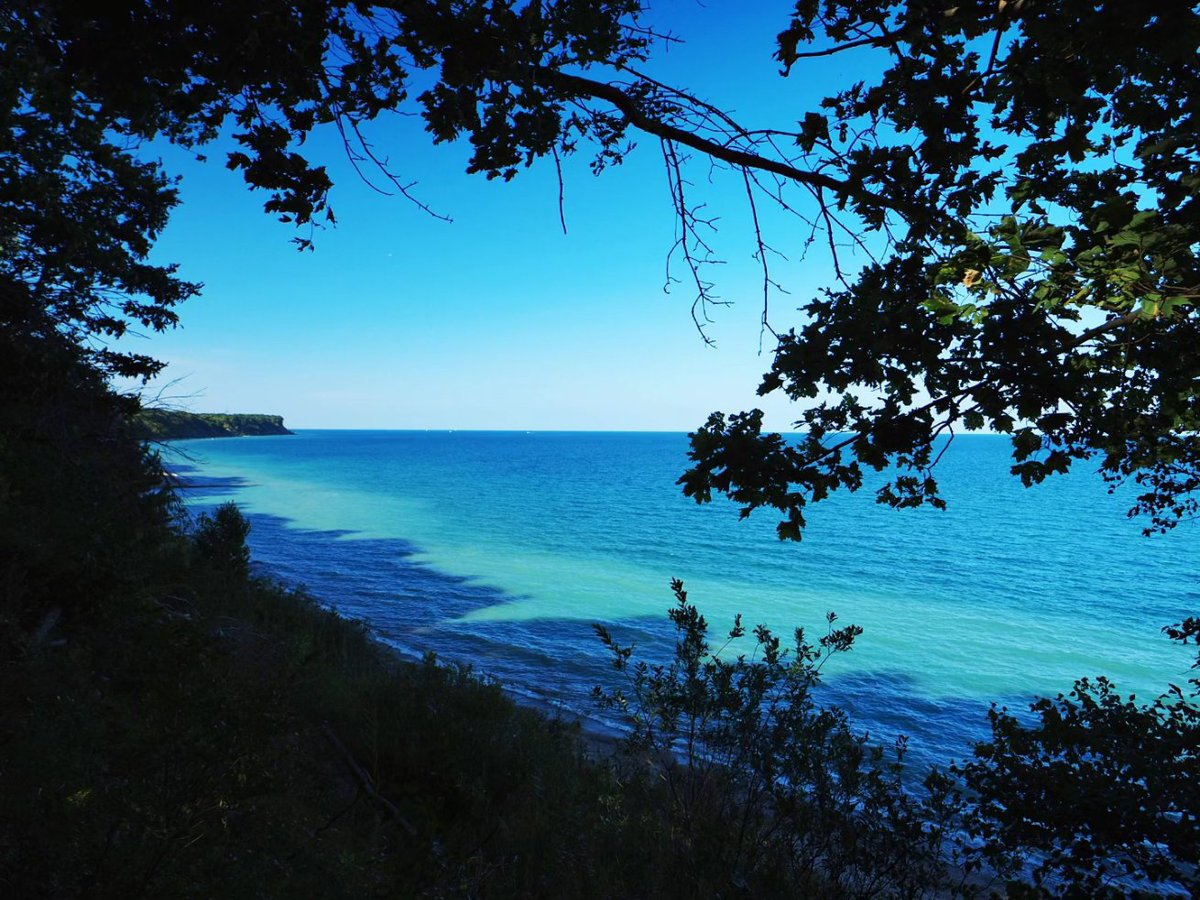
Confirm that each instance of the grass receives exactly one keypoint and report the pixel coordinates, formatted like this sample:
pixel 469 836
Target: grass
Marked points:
pixel 208 733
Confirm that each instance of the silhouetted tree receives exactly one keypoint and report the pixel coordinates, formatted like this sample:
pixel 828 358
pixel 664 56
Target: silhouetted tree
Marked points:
pixel 1020 174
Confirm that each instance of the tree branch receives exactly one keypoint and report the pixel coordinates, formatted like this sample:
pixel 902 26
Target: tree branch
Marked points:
pixel 947 399
pixel 368 783
pixel 637 117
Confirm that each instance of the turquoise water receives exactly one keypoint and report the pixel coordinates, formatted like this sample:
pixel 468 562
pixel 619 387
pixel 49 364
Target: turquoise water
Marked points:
pixel 500 549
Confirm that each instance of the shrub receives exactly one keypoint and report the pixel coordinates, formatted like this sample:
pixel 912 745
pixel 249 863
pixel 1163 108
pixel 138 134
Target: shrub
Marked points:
pixel 220 540
pixel 765 783
pixel 1101 793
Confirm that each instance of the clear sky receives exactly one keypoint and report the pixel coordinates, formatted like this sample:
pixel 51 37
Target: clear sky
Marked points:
pixel 498 319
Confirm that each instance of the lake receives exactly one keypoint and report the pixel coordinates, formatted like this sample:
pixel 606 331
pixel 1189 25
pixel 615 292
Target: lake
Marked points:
pixel 500 549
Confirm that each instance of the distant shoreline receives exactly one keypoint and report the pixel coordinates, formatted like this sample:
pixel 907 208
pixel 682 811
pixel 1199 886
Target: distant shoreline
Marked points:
pixel 176 425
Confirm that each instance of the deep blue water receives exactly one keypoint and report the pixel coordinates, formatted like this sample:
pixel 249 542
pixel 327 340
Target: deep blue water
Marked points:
pixel 501 548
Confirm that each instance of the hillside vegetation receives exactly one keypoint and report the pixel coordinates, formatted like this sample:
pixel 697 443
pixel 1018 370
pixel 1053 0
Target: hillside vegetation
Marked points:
pixel 173 725
pixel 172 425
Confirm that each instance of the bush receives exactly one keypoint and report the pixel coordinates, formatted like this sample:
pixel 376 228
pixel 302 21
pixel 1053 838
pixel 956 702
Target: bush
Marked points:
pixel 1101 793
pixel 775 790
pixel 83 507
pixel 220 541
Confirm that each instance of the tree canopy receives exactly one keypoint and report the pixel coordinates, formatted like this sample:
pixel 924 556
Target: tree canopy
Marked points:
pixel 1020 182
pixel 1038 277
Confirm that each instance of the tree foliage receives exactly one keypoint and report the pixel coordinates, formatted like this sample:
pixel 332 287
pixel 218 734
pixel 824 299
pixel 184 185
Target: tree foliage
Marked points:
pixel 82 505
pixel 1019 181
pixel 220 540
pixel 1035 272
pixel 82 90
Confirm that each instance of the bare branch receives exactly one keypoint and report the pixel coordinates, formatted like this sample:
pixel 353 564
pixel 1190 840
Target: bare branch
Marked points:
pixel 405 190
pixel 689 242
pixel 761 256
pixel 562 212
pixel 878 40
pixel 631 109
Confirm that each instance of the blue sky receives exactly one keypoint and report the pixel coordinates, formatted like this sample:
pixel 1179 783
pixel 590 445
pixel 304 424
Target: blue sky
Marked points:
pixel 498 319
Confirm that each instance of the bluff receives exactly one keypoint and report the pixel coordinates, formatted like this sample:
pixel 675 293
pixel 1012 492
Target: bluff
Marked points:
pixel 171 425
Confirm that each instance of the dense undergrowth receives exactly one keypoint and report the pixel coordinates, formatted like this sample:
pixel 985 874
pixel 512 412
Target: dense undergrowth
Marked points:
pixel 213 734
pixel 226 737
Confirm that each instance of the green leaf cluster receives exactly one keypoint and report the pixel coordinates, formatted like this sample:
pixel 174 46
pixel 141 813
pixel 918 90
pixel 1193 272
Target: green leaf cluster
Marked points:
pixel 1030 173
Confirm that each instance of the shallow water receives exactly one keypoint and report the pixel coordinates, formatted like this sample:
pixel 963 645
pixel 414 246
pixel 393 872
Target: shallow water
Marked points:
pixel 501 548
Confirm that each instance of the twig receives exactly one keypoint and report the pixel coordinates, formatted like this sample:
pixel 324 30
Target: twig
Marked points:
pixel 761 254
pixel 562 213
pixel 368 784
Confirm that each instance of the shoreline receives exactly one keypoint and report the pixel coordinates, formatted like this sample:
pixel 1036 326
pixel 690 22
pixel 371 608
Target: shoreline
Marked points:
pixel 601 742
